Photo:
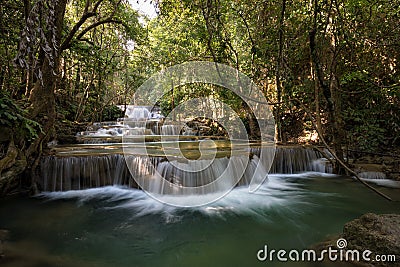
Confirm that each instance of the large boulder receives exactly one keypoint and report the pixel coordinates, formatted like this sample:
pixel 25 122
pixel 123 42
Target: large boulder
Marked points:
pixel 378 233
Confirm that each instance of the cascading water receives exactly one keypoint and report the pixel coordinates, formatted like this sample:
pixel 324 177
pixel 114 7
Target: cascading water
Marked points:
pixel 76 173
pixel 170 129
pixel 138 121
pixel 158 167
pixel 291 160
pixel 138 113
pixel 60 173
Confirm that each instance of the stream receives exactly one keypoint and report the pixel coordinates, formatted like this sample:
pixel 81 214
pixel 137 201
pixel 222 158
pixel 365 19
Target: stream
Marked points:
pixel 120 226
pixel 90 212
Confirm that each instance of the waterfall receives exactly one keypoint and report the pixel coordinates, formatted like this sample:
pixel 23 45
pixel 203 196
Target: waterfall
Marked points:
pixel 138 131
pixel 75 173
pixel 195 174
pixel 138 121
pixel 138 113
pixel 170 129
pixel 372 175
pixel 296 159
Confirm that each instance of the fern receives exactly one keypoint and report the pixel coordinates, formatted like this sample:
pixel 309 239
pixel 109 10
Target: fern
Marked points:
pixel 15 118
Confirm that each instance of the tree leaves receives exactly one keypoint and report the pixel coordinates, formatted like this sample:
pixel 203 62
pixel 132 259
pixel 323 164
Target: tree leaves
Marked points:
pixel 13 117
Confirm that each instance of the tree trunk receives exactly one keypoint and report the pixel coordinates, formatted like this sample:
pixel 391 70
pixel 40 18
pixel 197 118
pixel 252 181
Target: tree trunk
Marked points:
pixel 337 123
pixel 278 75
pixel 336 114
pixel 329 90
pixel 42 95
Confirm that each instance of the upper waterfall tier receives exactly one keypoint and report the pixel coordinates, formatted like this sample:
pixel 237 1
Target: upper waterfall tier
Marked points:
pixel 140 113
pixel 138 121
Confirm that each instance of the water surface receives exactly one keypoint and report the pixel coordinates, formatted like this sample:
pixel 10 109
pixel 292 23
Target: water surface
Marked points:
pixel 117 226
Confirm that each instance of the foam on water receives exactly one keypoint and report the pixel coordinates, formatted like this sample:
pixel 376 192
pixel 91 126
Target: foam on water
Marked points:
pixel 383 182
pixel 278 191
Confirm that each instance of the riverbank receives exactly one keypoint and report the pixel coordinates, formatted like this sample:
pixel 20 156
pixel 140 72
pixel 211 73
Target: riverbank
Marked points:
pixel 377 166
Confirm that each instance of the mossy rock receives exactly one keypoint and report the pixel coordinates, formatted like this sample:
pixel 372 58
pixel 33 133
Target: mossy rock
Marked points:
pixel 377 233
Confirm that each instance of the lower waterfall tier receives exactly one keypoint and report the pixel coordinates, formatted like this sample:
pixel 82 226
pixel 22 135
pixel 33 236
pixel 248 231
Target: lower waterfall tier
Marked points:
pixel 82 172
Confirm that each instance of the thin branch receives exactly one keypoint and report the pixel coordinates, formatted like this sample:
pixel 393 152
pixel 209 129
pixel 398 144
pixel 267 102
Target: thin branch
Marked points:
pixel 87 41
pixel 336 157
pixel 324 154
pixel 325 144
pixel 206 16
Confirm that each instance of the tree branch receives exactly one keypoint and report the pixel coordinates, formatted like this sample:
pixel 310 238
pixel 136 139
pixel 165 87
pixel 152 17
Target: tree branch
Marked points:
pixel 335 156
pixel 96 24
pixel 67 42
pixel 87 41
pixel 86 15
pixel 325 144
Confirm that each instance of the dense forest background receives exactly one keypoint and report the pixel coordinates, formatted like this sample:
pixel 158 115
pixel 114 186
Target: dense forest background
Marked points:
pixel 327 66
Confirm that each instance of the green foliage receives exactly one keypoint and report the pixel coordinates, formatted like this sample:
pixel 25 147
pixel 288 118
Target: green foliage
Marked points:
pixel 365 132
pixel 370 121
pixel 11 15
pixel 356 45
pixel 133 30
pixel 97 67
pixel 244 34
pixel 111 113
pixel 15 118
